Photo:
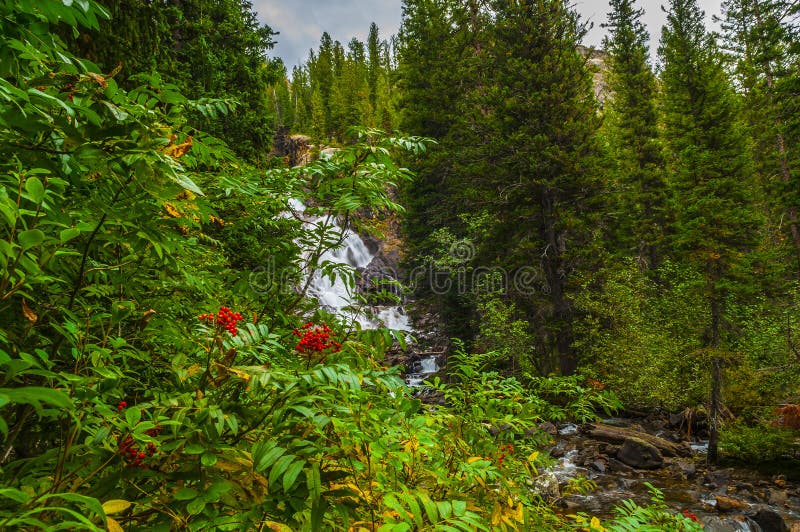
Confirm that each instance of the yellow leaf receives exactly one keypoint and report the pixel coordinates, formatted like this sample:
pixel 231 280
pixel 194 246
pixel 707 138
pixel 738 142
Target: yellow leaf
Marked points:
pixel 171 210
pixel 115 506
pixel 29 314
pixel 533 456
pixel 179 150
pixel 277 527
pixel 473 459
pixel 595 525
pixel 113 526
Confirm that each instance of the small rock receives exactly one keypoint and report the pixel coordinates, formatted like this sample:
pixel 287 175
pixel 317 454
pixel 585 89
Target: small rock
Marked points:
pixel 618 467
pixel 557 452
pixel 599 465
pixel 769 520
pixel 549 428
pixel 720 477
pixel 726 504
pixel 640 454
pixel 687 469
pixel 778 497
pixel 546 485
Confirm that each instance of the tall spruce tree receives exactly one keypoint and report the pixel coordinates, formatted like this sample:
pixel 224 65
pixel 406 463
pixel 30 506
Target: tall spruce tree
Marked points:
pixel 760 35
pixel 715 225
pixel 632 123
pixel 432 78
pixel 542 119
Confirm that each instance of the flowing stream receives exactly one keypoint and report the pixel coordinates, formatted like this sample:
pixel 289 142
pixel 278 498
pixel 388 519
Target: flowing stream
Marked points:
pixel 696 493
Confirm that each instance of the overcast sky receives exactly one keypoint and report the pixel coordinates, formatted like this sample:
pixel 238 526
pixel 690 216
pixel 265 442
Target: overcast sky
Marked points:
pixel 301 22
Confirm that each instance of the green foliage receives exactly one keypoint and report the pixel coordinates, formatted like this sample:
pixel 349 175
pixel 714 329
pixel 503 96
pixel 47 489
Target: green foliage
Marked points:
pixel 756 444
pixel 573 397
pixel 655 517
pixel 209 49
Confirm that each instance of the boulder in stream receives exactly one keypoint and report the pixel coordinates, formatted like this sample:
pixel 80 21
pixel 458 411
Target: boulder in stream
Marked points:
pixel 726 504
pixel 640 454
pixel 546 485
pixel 769 520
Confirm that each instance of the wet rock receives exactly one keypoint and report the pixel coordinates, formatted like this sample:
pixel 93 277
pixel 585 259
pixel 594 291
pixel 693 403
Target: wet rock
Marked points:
pixel 778 497
pixel 616 466
pixel 720 524
pixel 549 428
pixel 769 520
pixel 557 452
pixel 687 469
pixel 599 465
pixel 431 397
pixel 726 504
pixel 640 454
pixel 720 477
pixel 546 485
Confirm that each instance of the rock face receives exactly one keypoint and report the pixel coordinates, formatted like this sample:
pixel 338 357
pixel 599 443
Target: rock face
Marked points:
pixel 640 454
pixel 296 149
pixel 596 60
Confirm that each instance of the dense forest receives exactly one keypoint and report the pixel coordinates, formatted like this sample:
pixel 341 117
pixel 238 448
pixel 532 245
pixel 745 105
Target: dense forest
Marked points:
pixel 593 236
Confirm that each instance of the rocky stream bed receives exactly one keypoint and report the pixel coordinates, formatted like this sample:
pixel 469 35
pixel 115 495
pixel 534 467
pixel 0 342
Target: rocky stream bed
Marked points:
pixel 621 455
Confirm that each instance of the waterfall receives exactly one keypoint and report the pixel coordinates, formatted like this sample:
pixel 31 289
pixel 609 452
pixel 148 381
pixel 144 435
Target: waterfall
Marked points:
pixel 336 296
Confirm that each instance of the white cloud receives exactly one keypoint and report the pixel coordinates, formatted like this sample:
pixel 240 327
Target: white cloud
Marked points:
pixel 301 22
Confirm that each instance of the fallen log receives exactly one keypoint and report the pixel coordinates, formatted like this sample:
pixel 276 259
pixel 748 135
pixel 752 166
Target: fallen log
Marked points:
pixel 618 435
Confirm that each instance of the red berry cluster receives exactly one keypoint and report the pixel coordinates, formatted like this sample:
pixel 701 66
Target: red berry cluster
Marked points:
pixel 315 339
pixel 133 455
pixel 505 450
pixel 130 451
pixel 689 515
pixel 224 318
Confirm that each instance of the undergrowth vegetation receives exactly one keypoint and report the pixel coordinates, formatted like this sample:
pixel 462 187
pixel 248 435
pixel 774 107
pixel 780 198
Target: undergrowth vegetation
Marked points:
pixel 160 371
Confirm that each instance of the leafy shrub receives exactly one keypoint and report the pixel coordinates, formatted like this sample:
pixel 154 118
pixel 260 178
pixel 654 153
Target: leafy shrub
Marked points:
pixel 757 444
pixel 655 517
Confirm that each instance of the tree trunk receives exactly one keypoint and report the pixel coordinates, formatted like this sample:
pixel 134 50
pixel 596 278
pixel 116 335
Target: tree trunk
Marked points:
pixel 716 384
pixel 552 264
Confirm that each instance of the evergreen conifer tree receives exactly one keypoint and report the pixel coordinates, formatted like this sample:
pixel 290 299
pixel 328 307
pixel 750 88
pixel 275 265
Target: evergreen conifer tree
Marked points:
pixel 716 226
pixel 632 120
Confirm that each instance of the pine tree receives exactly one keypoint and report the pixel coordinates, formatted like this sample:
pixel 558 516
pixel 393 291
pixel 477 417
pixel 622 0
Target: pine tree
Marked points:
pixel 759 34
pixel 715 225
pixel 542 115
pixel 375 65
pixel 632 120
pixel 431 81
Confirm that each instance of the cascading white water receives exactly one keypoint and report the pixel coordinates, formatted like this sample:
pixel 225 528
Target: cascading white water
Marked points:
pixel 336 296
